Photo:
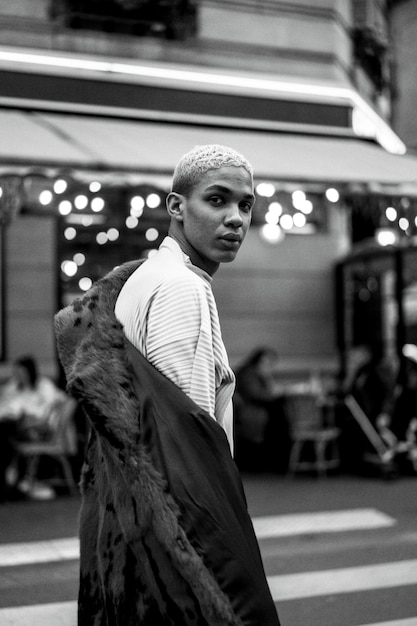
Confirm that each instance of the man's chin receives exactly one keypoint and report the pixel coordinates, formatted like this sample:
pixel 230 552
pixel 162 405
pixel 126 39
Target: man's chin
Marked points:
pixel 228 257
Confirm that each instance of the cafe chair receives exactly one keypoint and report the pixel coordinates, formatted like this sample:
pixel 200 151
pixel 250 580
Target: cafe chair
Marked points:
pixel 60 446
pixel 314 444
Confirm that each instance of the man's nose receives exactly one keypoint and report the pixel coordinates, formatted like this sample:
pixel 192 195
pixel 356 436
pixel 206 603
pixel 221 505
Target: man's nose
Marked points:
pixel 234 216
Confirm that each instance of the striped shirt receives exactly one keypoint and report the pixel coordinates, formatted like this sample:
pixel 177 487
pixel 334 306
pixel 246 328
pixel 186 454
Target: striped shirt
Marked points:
pixel 169 314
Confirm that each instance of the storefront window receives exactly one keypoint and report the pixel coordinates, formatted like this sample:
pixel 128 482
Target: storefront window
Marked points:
pixel 382 217
pixel 368 305
pixel 103 227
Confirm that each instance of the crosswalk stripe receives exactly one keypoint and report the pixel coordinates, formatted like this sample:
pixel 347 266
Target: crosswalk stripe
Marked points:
pixel 327 521
pixel 265 527
pixel 345 580
pixel 55 614
pixel 283 587
pixel 39 552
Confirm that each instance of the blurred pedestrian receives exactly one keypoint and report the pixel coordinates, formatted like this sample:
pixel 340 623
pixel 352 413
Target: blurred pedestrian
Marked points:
pixel 399 426
pixel 371 383
pixel 262 430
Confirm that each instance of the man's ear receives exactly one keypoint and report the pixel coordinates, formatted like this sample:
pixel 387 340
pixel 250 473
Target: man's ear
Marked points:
pixel 175 205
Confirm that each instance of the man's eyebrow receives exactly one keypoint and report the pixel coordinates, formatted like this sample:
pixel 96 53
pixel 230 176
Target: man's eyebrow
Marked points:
pixel 217 187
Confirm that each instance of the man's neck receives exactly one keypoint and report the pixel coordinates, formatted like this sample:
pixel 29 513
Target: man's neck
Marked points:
pixel 209 267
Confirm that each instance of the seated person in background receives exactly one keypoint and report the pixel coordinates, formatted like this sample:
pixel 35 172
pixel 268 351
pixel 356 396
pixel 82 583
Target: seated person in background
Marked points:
pixel 25 402
pixel 27 398
pixel 261 427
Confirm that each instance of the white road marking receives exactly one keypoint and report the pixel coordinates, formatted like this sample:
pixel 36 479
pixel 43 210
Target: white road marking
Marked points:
pixel 345 580
pixel 323 522
pixel 39 552
pixel 265 527
pixel 56 614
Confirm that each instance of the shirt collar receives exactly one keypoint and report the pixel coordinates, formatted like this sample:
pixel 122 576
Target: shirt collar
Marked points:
pixel 172 245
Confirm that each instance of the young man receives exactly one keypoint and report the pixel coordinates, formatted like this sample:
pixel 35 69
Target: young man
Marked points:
pixel 167 306
pixel 165 535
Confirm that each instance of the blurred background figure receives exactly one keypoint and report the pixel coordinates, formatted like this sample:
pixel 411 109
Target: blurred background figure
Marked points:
pixel 26 400
pixel 399 427
pixel 261 427
pixel 371 381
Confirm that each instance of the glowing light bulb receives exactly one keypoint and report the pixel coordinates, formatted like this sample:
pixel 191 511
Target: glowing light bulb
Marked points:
pixel 80 202
pixel 132 222
pixel 271 218
pixel 391 213
pixel 332 194
pixel 69 268
pixel 299 220
pixel 65 207
pixel 45 197
pixel 97 204
pixel 101 238
pixel 286 222
pixel 85 283
pixel 266 190
pixel 153 200
pixel 272 233
pixel 137 202
pixel 70 233
pixel 386 237
pixel 152 234
pixel 298 197
pixel 113 234
pixel 403 223
pixel 79 258
pixel 60 185
pixel 275 208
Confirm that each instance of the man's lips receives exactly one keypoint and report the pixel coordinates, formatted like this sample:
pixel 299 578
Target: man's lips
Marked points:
pixel 233 237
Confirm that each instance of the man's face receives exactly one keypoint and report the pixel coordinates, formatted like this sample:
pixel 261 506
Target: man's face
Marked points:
pixel 216 216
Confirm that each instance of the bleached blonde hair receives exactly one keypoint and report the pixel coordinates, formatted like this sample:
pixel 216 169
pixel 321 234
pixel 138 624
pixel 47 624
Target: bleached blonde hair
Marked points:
pixel 195 163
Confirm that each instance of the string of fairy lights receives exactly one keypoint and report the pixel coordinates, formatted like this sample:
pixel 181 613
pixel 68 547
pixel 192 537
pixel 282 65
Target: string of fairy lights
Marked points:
pixel 101 222
pixel 114 217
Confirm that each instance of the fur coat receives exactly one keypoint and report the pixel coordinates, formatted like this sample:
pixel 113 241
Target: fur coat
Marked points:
pixel 165 535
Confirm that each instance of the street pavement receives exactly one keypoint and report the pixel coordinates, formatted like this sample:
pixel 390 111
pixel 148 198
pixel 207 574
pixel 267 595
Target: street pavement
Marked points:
pixel 340 551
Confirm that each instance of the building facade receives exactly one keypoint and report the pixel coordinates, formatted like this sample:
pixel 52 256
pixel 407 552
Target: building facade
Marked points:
pixel 98 100
pixel 403 34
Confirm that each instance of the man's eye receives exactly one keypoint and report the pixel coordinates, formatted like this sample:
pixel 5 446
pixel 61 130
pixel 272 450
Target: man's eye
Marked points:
pixel 216 200
pixel 246 206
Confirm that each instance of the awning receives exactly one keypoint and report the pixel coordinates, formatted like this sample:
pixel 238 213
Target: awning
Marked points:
pixel 74 141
